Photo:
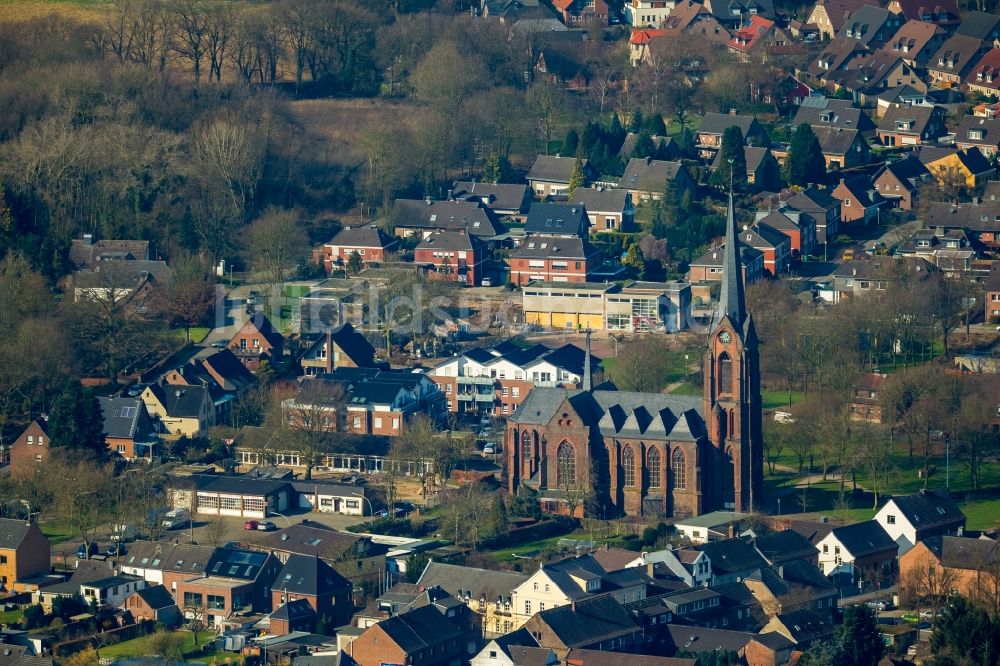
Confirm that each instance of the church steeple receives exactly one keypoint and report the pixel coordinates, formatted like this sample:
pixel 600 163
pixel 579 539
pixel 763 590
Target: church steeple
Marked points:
pixel 588 382
pixel 732 303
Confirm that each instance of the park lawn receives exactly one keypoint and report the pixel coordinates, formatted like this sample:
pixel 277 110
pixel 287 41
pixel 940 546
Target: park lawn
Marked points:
pixel 687 388
pixel 295 290
pixel 57 532
pixel 198 333
pixel 533 546
pixel 139 647
pixel 772 399
pixel 981 513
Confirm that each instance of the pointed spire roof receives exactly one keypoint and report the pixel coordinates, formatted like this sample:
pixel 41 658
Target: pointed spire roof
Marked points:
pixel 732 303
pixel 587 376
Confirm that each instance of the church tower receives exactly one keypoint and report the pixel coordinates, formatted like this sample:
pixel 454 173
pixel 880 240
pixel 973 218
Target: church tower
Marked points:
pixel 731 393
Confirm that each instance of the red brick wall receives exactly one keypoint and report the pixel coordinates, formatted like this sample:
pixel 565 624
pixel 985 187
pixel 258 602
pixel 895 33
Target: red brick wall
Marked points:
pixel 344 254
pixel 374 648
pixel 22 455
pixel 521 271
pixel 127 452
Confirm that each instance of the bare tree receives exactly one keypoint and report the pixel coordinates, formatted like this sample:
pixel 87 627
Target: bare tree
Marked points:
pixel 927 584
pixel 275 241
pixel 219 32
pixel 192 17
pixel 309 423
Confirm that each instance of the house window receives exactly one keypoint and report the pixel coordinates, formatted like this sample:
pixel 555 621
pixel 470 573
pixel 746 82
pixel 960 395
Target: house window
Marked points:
pixel 847 202
pixel 527 606
pixel 653 467
pixel 243 344
pixel 680 470
pixel 356 422
pixel 891 520
pixel 534 586
pixel 515 391
pixel 447 388
pixel 38 457
pixel 395 422
pixel 566 459
pixel 192 599
pixel 378 422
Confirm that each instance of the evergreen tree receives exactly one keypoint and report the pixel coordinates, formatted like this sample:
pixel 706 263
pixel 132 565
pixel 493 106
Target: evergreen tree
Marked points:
pixel 76 420
pixel 685 141
pixel 571 142
pixel 635 126
pixel 966 633
pixel 644 146
pixel 655 125
pixel 354 263
pixel 804 163
pixel 858 639
pixel 592 136
pixel 495 168
pixel 616 133
pixel 732 160
pixel 576 179
pixel 633 258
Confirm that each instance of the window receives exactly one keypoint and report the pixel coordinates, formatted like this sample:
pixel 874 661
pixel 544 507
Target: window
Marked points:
pixel 356 422
pixel 566 460
pixel 680 470
pixel 891 520
pixel 378 421
pixel 38 457
pixel 527 606
pixel 653 467
pixel 505 391
pixel 534 586
pixel 243 344
pixel 515 391
pixel 3 559
pixel 628 466
pixel 192 599
pixel 546 588
pixel 216 602
pixel 725 373
pixel 847 202
pixel 826 549
pixel 526 452
pixel 447 388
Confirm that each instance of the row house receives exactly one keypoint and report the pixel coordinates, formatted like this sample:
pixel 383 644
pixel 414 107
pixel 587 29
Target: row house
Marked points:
pixel 991 301
pixel 692 18
pixel 818 111
pixel 835 60
pixel 985 75
pixel 859 200
pixel 371 244
pixel 980 25
pixel 354 556
pixel 980 219
pixel 455 256
pixel 950 65
pixel 165 563
pixel 495 381
pixel 857 551
pixel 872 74
pixel 916 42
pixel 949 250
pixel 871 26
pixel 823 208
pixel 943 14
pixel 552 259
pixel 486 592
pixel 734 13
pixel 550 174
pixel 899 182
pixel 419 218
pixel 222 373
pixel 969 562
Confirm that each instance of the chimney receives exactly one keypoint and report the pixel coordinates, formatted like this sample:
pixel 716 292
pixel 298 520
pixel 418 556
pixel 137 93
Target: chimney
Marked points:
pixel 731 531
pixel 732 112
pixel 450 193
pixel 651 569
pixel 88 239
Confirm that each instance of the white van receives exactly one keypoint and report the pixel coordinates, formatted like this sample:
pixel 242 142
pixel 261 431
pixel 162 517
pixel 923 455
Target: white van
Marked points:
pixel 176 518
pixel 124 533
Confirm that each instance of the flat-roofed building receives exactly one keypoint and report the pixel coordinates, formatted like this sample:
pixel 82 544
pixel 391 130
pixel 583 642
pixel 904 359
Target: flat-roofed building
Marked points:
pixel 633 307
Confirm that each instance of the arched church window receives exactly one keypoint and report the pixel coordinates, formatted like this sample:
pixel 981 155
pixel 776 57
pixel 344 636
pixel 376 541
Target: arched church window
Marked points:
pixel 566 459
pixel 628 465
pixel 725 373
pixel 653 467
pixel 526 452
pixel 680 470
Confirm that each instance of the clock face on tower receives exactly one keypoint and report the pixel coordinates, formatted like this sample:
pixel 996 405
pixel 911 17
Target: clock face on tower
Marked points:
pixel 725 338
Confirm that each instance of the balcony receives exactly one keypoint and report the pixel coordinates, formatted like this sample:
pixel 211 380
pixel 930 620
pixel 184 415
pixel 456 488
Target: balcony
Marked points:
pixel 485 397
pixel 480 381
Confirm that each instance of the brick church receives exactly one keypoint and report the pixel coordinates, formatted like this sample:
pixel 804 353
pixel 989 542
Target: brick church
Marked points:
pixel 652 454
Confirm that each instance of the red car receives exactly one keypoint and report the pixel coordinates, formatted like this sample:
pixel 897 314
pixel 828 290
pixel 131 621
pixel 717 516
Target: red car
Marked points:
pixel 250 525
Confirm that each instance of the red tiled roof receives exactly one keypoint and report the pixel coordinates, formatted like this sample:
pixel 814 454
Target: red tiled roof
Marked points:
pixel 989 66
pixel 746 38
pixel 646 35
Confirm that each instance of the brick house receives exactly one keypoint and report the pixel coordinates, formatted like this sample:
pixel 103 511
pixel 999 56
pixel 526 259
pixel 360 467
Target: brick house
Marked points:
pixel 506 200
pixel 607 209
pixel 155 604
pixel 865 405
pixel 452 255
pixel 233 580
pixel 992 298
pixel 979 132
pixel 418 218
pixel 31 448
pixel 955 59
pixel 969 561
pixel 899 182
pixel 911 125
pixel 799 227
pixel 842 149
pixel 578 13
pixel 341 347
pixel 708 137
pixel 859 200
pixel 596 623
pixel 550 174
pixel 775 246
pixel 484 591
pixel 828 112
pixel 257 341
pixel 308 579
pixel 441 633
pixel 552 259
pixel 128 429
pixel 985 76
pixel 292 616
pixel 831 15
pixel 803 627
pixel 822 207
pixel 708 267
pixel 24 554
pixel 369 242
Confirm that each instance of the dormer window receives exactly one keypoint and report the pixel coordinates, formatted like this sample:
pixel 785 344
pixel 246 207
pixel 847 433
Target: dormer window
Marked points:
pixel 976 134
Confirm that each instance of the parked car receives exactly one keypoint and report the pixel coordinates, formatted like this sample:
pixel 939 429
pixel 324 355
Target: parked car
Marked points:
pixel 116 549
pixel 176 518
pixel 486 421
pixel 266 526
pixel 250 525
pixel 880 605
pixel 927 614
pixel 124 532
pixel 489 449
pixel 220 344
pixel 85 552
pixel 487 281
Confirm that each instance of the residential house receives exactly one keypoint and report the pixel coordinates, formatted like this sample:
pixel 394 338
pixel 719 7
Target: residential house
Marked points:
pixel 370 243
pixel 598 623
pixel 222 373
pixel 651 13
pixel 953 168
pixel 165 563
pixel 910 126
pixel 87 571
pixel 341 347
pixel 733 13
pixel 580 657
pixel 836 59
pixel 829 16
pixel 455 256
pixel 708 267
pixel 863 275
pixel 842 149
pixel 818 111
pixel 441 633
pixel 495 381
pixel 30 449
pixel 980 133
pixel 943 14
pixel 24 555
pixel 803 627
pixel 128 429
pixel 552 259
pixel 691 606
pixel 485 591
pixel 980 219
pixel 566 220
pixel 183 411
pixel 819 205
pixel 783 547
pixel 859 200
pixel 354 556
pixel 712 526
pixel 326 496
pixel 950 65
pixel 916 42
pixel 768 650
pixel 631 306
pixel 860 550
pixel 639 41
pixel 607 209
pixel 949 250
pixel 865 404
pixel 775 246
pixel 234 581
pixel 871 26
pixel 550 174
pixel 899 182
pixel 870 75
pixel 421 217
pixel 111 590
pixel 908 519
pixel 968 563
pixel 691 18
pixel 516 648
pixel 708 137
pixel 732 560
pixel 86 252
pixel 691 567
pixel 559 64
pixel 257 342
pixel 507 201
pixel 984 78
pixel 763 172
pixel 291 617
pixel 992 298
pixel 794 586
pixel 120 281
pixel 646 178
pixel 798 226
pixel 666 147
pixel 904 95
pixel 754 40
pixel 308 579
pixel 708 641
pixel 155 604
pixel 980 25
pixel 580 13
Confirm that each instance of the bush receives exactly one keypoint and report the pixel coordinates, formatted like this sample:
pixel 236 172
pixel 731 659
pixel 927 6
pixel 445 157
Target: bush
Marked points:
pixel 650 535
pixel 167 644
pixel 34 617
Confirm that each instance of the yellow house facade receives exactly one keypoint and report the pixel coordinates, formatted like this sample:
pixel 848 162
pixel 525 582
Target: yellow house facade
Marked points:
pixel 968 168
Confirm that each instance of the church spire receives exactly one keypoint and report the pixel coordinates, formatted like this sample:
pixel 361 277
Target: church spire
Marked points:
pixel 731 301
pixel 587 381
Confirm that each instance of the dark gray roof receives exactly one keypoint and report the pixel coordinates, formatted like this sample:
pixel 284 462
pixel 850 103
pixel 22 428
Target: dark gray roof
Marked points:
pixel 12 532
pixel 362 236
pixel 805 625
pixel 833 113
pixel 715 256
pixel 648 175
pixel 601 200
pixel 553 169
pixel 718 123
pixel 293 610
pixel 927 510
pixel 728 11
pixel 314 539
pixel 455 239
pixel 236 563
pixel 181 401
pixel 157 597
pixel 461 581
pixel 471 216
pixel 732 303
pixel 868 23
pixel 85 254
pixel 761 235
pixel 589 621
pixel 864 538
pixel 834 140
pixel 309 575
pixel 557 219
pixel 984 216
pixel 554 247
pixel 863 191
pixel 774 640
pixel 328 487
pixel 989 129
pixel 730 556
pixel 125 418
pixel 419 629
pixel 237 485
pixel 668 143
pixel 966 553
pixel 959 52
pixel 783 546
pixel 979 25
pixel 809 200
pixel 21 655
pixel 700 639
pixel 497 196
pixel 910 171
pixel 121 274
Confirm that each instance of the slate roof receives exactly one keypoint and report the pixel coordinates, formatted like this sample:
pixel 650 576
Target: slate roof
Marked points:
pixel 293 610
pixel 784 546
pixel 700 639
pixel 984 216
pixel 471 216
pixel 928 510
pixel 863 191
pixel 870 25
pixel 557 219
pixel 910 171
pixel 121 274
pixel 459 581
pixel 313 539
pixel 555 247
pixel 979 25
pixel 553 169
pixel 718 123
pixel 125 418
pixel 834 140
pixel 967 553
pixel 714 256
pixel 20 655
pixel 450 240
pixel 419 629
pixel 648 175
pixel 86 255
pixel 308 575
pixel 956 55
pixel 805 625
pixel 156 597
pixel 591 621
pixel 12 532
pixel 496 196
pixel 601 200
pixel 181 401
pixel 835 56
pixel 730 556
pixel 838 11
pixel 362 236
pixel 865 538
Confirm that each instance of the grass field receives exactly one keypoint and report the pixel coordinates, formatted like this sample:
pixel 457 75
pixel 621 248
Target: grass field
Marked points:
pixel 138 647
pixel 57 532
pixel 23 10
pixel 11 617
pixel 198 333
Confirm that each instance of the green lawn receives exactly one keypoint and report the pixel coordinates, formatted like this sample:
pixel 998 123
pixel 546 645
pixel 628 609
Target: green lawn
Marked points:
pixel 533 546
pixel 779 399
pixel 11 617
pixel 982 513
pixel 295 290
pixel 198 333
pixel 139 647
pixel 687 388
pixel 57 532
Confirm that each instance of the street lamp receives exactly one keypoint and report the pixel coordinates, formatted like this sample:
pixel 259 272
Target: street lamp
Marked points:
pixel 288 523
